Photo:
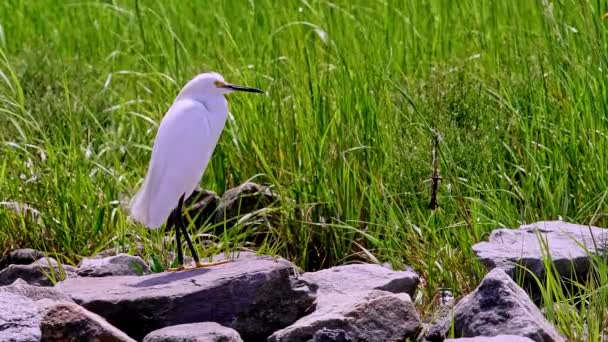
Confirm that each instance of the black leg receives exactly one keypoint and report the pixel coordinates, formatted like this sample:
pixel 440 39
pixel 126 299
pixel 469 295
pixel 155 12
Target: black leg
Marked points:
pixel 178 240
pixel 188 241
pixel 173 223
pixel 182 226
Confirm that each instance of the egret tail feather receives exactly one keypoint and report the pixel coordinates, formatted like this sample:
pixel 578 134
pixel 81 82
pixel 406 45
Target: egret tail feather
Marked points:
pixel 139 207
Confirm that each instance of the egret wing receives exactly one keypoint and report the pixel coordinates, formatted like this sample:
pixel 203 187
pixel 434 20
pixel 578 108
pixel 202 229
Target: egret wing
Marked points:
pixel 183 146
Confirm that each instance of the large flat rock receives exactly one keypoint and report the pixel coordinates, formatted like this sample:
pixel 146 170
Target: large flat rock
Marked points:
pixel 569 246
pixel 253 295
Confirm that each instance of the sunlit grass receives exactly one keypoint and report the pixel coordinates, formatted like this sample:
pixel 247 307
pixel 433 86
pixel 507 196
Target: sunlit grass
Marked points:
pixel 355 90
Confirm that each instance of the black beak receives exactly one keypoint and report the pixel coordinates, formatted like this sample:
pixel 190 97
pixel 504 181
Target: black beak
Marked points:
pixel 243 88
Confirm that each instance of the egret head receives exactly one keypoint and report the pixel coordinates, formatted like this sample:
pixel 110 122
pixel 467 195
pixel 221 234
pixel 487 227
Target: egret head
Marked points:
pixel 213 84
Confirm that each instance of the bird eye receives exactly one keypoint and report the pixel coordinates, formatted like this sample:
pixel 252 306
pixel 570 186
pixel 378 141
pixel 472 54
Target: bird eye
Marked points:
pixel 219 84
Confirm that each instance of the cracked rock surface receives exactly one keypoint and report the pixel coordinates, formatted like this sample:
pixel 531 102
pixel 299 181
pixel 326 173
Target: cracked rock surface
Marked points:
pixel 254 295
pixel 19 318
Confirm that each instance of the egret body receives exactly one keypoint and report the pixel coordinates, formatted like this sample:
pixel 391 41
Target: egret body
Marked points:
pixel 183 146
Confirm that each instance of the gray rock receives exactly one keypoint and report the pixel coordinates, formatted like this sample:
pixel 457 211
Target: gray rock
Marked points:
pixel 24 256
pixel 34 293
pixel 201 207
pixel 498 306
pixel 118 265
pixel 194 332
pixel 499 338
pixel 41 272
pixel 19 319
pixel 107 253
pixel 362 316
pixel 65 321
pixel 137 250
pixel 31 313
pixel 331 335
pixel 569 246
pixel 357 302
pixel 254 296
pixel 243 199
pixel 360 277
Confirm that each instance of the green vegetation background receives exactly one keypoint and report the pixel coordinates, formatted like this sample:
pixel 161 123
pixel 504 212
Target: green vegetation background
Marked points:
pixel 355 89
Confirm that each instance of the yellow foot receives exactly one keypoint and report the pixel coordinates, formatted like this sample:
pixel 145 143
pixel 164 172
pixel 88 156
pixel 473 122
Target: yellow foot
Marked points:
pixel 208 264
pixel 198 265
pixel 180 268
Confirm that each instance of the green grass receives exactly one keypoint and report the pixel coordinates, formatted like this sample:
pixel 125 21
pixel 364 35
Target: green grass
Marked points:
pixel 517 90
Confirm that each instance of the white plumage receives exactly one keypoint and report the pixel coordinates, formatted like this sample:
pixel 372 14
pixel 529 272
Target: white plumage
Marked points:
pixel 183 146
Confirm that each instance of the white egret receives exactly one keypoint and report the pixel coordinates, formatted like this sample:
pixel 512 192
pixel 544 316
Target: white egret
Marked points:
pixel 184 143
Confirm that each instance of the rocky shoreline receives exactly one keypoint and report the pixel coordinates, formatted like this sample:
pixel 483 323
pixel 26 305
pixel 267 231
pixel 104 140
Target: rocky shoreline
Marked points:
pixel 263 298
